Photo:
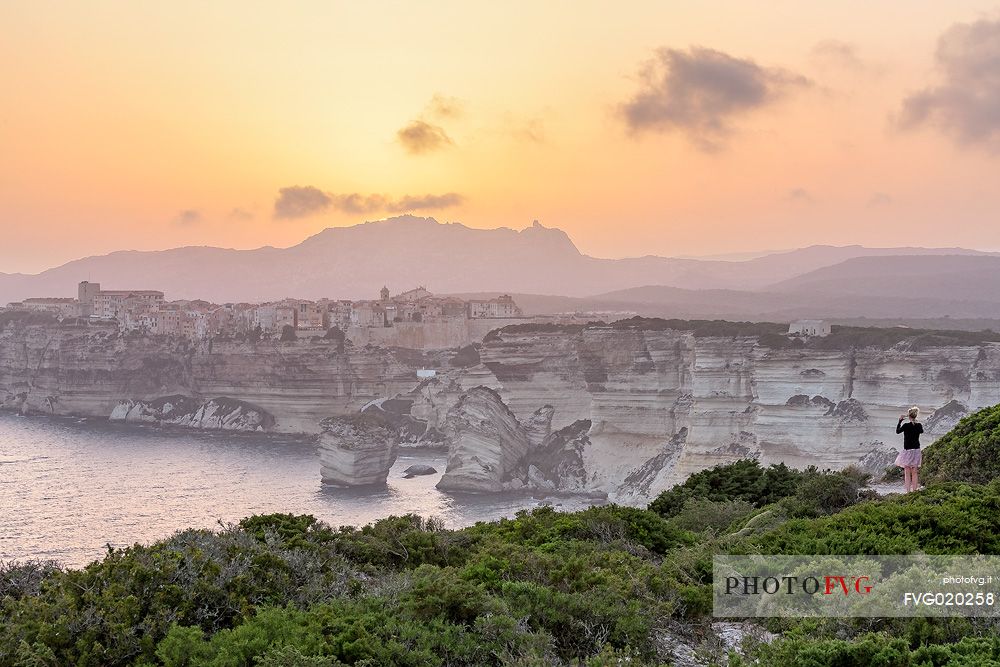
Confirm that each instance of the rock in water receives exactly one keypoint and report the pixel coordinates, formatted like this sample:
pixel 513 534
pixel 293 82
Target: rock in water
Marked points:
pixel 419 469
pixel 356 450
pixel 487 443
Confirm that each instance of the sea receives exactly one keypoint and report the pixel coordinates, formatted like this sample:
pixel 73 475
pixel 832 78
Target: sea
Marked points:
pixel 71 487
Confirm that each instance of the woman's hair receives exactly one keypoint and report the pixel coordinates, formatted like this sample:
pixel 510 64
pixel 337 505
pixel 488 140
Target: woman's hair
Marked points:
pixel 914 412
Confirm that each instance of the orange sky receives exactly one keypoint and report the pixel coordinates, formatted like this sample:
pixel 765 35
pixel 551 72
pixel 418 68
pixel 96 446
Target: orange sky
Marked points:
pixel 672 128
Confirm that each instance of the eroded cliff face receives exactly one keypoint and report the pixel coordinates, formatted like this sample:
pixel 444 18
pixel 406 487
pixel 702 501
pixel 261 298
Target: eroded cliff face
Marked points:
pixel 486 442
pixel 222 413
pixel 292 386
pixel 628 411
pixel 664 404
pixel 357 450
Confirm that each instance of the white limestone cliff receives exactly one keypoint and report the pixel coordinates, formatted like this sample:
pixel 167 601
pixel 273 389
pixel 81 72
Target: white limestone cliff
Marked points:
pixel 220 413
pixel 486 443
pixel 658 403
pixel 664 403
pixel 356 451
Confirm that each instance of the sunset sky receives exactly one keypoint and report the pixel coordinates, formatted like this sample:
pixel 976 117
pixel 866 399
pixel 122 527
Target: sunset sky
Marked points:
pixel 669 128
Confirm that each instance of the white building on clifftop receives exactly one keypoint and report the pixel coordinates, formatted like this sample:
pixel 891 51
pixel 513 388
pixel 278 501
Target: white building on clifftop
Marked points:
pixel 501 307
pixel 809 328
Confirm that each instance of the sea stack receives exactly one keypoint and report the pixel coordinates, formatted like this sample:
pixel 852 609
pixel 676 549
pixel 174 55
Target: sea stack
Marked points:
pixel 356 450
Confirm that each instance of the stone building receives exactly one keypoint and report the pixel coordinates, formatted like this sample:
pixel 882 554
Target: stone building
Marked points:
pixel 86 294
pixel 61 307
pixel 113 304
pixel 501 307
pixel 809 328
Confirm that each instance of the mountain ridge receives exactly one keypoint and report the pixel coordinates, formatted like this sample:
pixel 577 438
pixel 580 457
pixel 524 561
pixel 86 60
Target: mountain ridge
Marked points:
pixel 403 251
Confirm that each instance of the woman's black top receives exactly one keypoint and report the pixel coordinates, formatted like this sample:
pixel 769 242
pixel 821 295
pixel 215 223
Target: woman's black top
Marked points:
pixel 911 433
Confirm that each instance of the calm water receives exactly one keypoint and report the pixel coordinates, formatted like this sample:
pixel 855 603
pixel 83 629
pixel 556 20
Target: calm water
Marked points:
pixel 68 487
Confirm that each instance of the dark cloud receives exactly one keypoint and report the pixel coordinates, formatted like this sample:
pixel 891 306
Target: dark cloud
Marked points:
pixel 298 202
pixel 701 91
pixel 187 218
pixel 240 215
pixel 879 199
pixel 800 196
pixel 421 137
pixel 966 102
pixel 422 202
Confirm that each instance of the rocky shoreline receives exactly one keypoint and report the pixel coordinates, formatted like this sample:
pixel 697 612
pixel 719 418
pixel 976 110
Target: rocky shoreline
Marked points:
pixel 625 410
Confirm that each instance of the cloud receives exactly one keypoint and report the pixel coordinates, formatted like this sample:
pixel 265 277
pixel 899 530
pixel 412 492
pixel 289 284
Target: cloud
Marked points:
pixel 800 196
pixel 421 137
pixel 700 92
pixel 965 104
pixel 442 106
pixel 529 130
pixel 421 202
pixel 300 202
pixel 879 199
pixel 187 218
pixel 838 53
pixel 240 215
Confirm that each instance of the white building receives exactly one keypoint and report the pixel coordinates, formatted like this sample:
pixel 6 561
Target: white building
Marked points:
pixel 502 306
pixel 273 316
pixel 112 304
pixel 809 328
pixel 56 305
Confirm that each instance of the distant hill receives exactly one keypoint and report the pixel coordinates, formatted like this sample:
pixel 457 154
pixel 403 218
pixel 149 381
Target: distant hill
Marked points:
pixel 954 277
pixel 406 251
pixel 670 302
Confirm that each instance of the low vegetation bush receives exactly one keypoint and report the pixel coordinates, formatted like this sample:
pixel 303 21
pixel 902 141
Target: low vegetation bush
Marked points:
pixel 744 480
pixel 874 649
pixel 700 514
pixel 970 452
pixel 702 328
pixel 846 337
pixel 545 586
pixel 27 317
pixel 609 585
pixel 949 518
pixel 823 493
pixel 465 357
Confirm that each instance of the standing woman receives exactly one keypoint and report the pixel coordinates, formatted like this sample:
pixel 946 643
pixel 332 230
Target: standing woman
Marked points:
pixel 909 459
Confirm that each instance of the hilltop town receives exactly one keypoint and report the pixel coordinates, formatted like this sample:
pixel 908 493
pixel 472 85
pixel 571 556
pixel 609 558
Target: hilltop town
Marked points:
pixel 415 316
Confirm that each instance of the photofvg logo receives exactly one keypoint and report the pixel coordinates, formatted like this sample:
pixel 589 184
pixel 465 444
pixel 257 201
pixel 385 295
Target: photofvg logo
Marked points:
pixel 828 584
pixel 868 586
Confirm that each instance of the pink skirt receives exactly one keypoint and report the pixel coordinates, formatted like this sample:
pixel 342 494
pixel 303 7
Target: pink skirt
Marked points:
pixel 909 458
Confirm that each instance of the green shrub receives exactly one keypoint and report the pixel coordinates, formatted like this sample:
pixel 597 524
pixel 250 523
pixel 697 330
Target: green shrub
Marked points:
pixel 970 452
pixel 875 650
pixel 700 514
pixel 947 518
pixel 743 480
pixel 293 530
pixel 892 474
pixel 546 587
pixel 289 656
pixel 606 523
pixel 822 494
pixel 465 357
